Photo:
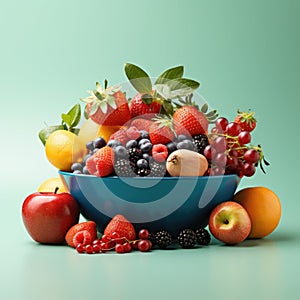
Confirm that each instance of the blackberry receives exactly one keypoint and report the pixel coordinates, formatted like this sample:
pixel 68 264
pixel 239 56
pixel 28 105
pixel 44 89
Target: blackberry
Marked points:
pixel 187 238
pixel 163 239
pixel 134 154
pixel 123 168
pixel 203 236
pixel 200 141
pixel 157 169
pixel 142 172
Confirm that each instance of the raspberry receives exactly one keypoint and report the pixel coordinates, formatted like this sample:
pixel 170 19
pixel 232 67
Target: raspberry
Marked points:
pixel 160 152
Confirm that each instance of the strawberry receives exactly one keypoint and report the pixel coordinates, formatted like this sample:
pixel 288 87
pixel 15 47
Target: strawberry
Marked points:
pixel 120 136
pixel 246 120
pixel 141 123
pixel 107 107
pixel 89 226
pixel 143 104
pixel 188 120
pixel 102 162
pixel 121 226
pixel 161 131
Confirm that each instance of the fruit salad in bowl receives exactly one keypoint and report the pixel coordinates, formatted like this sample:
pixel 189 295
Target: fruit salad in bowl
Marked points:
pixel 153 151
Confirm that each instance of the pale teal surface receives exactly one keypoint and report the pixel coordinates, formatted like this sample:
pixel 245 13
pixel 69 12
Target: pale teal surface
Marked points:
pixel 244 53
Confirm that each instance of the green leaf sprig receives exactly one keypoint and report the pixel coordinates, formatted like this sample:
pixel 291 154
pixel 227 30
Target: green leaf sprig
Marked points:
pixel 69 121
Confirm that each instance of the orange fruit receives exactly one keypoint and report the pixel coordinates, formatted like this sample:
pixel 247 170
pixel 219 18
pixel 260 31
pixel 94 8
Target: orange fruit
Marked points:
pixel 64 148
pixel 50 184
pixel 91 130
pixel 263 207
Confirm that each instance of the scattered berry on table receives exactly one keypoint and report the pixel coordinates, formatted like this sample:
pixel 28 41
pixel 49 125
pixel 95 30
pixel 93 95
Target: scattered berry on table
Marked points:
pixel 187 238
pixel 203 236
pixel 162 239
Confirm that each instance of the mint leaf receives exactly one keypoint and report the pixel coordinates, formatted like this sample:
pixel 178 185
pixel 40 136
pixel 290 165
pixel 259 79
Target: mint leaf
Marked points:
pixel 138 78
pixel 72 118
pixel 183 83
pixel 67 119
pixel 173 73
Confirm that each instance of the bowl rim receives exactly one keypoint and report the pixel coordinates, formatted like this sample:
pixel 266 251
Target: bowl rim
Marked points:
pixel 149 178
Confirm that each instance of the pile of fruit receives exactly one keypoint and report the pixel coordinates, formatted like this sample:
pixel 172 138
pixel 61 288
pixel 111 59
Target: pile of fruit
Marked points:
pixel 161 131
pixel 150 133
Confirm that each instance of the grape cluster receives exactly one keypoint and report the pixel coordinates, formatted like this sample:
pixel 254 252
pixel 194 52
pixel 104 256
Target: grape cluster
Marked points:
pixel 230 151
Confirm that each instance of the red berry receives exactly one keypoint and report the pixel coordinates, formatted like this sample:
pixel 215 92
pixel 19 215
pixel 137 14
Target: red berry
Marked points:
pixel 119 248
pixel 159 152
pixel 209 152
pixel 134 244
pixel 220 144
pixel 248 169
pixel 244 137
pixel 105 238
pixel 233 129
pixel 80 248
pixel 127 247
pixel 220 160
pixel 251 156
pixel 89 249
pixel 143 234
pixel 133 133
pixel 96 248
pixel 82 237
pixel 144 245
pixel 221 124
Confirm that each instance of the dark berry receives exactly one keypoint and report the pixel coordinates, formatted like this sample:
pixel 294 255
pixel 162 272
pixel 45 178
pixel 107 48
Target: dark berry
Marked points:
pixel 85 170
pixel 90 145
pixel 203 236
pixel 200 142
pixel 171 147
pixel 143 172
pixel 187 238
pixel 76 167
pixel 144 245
pixel 131 144
pixel 143 141
pixel 142 163
pixel 114 143
pixel 143 234
pixel 134 154
pixel 186 144
pixel 163 239
pixel 145 148
pixel 99 142
pixel 181 137
pixel 120 152
pixel 157 169
pixel 123 168
pixel 144 134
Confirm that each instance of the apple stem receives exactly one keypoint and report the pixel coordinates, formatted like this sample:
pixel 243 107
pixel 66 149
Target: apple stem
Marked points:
pixel 226 221
pixel 56 189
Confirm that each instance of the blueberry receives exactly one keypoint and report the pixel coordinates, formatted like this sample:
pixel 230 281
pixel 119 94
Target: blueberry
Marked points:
pixel 145 148
pixel 114 143
pixel 142 163
pixel 148 157
pixel 99 142
pixel 120 151
pixel 181 137
pixel 85 171
pixel 144 134
pixel 131 144
pixel 90 145
pixel 143 141
pixel 76 167
pixel 186 144
pixel 77 172
pixel 171 147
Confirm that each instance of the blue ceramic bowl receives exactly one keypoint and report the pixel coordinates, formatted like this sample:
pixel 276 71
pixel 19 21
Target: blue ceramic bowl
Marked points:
pixel 170 203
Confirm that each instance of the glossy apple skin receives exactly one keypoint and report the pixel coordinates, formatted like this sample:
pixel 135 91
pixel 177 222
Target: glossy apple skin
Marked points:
pixel 48 216
pixel 229 222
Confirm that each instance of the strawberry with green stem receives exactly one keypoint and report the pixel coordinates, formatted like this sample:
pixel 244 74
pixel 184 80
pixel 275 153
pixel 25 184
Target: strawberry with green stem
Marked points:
pixel 108 106
pixel 161 131
pixel 246 120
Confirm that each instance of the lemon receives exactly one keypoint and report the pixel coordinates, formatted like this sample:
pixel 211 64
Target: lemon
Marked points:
pixel 63 148
pixel 50 184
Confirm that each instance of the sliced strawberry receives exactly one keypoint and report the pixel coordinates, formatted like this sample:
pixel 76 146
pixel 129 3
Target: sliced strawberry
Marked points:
pixel 89 226
pixel 104 159
pixel 120 136
pixel 120 225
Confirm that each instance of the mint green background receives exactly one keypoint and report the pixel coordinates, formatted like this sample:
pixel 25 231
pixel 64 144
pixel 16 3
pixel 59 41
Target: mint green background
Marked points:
pixel 244 53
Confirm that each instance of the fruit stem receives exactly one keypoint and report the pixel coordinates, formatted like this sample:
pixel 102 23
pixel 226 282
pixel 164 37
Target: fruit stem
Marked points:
pixel 56 190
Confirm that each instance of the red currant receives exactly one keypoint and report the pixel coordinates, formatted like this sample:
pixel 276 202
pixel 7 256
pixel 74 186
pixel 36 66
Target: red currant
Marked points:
pixel 248 169
pixel 105 238
pixel 144 245
pixel 127 247
pixel 80 248
pixel 221 124
pixel 134 245
pixel 143 234
pixel 220 144
pixel 96 248
pixel 251 156
pixel 233 129
pixel 119 248
pixel 89 249
pixel 244 137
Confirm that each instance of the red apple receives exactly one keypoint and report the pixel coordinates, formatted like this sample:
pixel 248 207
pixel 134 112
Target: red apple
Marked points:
pixel 48 216
pixel 229 222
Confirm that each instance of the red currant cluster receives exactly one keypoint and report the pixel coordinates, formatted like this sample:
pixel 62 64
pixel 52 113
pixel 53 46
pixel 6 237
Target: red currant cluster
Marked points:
pixel 115 242
pixel 230 151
